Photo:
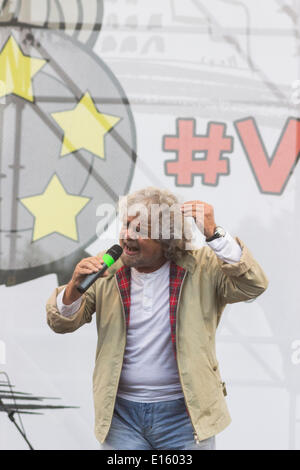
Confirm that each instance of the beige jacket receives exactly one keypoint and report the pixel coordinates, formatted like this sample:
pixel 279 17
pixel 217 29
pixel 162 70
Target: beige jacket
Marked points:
pixel 208 285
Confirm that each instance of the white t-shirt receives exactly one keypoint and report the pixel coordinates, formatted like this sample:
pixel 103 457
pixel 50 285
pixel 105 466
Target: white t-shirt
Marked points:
pixel 149 370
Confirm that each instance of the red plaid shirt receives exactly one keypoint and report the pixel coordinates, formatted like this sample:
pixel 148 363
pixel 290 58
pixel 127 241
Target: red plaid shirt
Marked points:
pixel 177 273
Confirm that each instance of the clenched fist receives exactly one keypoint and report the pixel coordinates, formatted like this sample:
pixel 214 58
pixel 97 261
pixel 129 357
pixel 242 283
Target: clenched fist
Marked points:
pixel 83 268
pixel 203 214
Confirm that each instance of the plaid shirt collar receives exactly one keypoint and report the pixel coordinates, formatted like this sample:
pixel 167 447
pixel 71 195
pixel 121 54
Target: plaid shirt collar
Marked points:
pixel 177 273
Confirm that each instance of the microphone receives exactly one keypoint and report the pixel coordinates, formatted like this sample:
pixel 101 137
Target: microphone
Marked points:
pixel 112 255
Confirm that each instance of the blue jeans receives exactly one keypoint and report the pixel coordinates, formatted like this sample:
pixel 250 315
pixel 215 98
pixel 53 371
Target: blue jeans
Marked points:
pixel 147 426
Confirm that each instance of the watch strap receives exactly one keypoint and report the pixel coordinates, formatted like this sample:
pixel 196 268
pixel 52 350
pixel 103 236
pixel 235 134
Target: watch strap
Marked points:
pixel 214 236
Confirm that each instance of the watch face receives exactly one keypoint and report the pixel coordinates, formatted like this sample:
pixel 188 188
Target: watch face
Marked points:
pixel 220 232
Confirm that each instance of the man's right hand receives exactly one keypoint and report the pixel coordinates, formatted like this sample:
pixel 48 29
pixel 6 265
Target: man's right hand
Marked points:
pixel 83 268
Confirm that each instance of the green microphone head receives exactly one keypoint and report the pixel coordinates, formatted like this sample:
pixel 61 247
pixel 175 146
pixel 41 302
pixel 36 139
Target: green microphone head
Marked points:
pixel 108 260
pixel 112 255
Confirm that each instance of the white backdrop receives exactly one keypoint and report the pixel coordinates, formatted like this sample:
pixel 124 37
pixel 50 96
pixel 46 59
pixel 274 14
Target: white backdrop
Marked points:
pixel 221 61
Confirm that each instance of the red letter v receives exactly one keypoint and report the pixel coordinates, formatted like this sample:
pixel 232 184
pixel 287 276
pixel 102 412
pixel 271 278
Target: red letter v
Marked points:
pixel 271 174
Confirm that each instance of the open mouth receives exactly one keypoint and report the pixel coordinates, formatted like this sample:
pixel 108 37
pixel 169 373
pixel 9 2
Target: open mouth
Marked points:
pixel 130 249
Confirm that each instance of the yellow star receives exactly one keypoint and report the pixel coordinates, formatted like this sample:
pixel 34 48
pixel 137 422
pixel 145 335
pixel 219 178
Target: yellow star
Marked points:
pixel 55 211
pixel 17 70
pixel 84 127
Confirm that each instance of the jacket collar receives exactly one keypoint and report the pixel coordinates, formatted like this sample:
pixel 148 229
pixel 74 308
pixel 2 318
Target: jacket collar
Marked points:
pixel 186 261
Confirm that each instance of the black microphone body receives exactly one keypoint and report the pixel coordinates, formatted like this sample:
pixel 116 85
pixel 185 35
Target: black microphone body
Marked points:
pixel 109 258
pixel 90 279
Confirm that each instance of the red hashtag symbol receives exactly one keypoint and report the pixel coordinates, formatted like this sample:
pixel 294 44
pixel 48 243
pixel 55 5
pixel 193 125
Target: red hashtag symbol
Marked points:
pixel 186 144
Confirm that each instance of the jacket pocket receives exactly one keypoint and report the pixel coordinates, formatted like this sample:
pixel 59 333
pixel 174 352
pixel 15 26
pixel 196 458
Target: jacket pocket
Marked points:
pixel 215 369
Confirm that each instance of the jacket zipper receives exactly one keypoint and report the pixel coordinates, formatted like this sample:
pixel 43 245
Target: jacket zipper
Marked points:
pixel 195 432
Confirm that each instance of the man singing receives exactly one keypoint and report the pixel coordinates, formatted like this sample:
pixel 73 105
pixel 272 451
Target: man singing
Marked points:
pixel 156 380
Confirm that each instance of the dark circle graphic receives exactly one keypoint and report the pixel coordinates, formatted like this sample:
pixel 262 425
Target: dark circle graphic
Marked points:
pixel 30 153
pixel 80 19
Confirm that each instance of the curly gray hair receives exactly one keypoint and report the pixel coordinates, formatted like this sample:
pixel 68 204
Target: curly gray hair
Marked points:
pixel 164 210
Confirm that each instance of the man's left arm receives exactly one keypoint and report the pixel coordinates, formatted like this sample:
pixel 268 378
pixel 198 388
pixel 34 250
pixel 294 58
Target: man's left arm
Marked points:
pixel 239 281
pixel 238 276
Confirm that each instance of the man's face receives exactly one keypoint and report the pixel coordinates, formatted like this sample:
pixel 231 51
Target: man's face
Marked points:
pixel 144 254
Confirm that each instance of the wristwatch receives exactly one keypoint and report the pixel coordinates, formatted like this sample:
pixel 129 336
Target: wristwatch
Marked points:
pixel 219 232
